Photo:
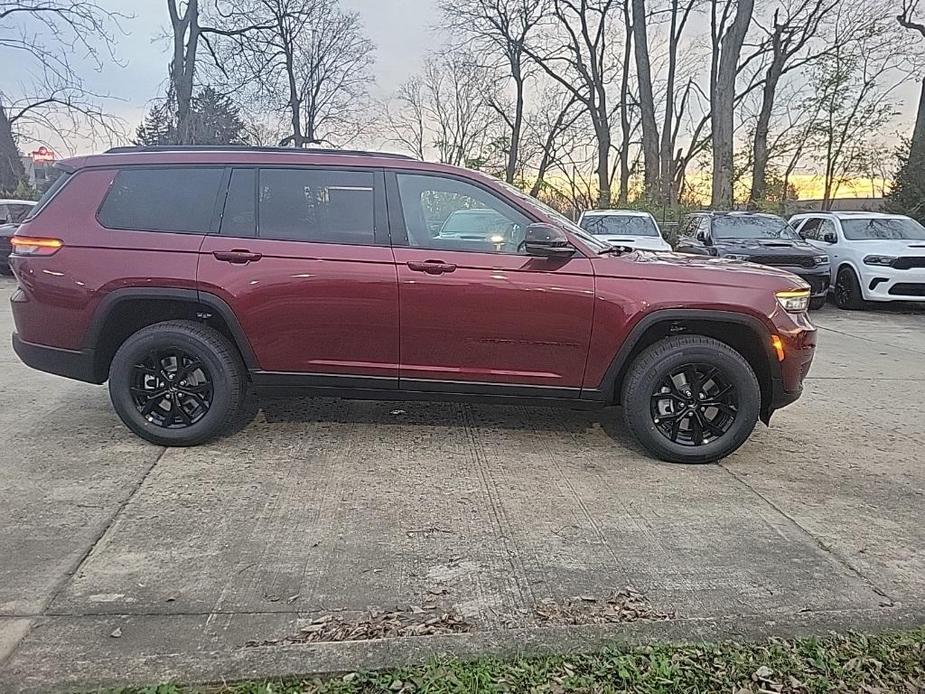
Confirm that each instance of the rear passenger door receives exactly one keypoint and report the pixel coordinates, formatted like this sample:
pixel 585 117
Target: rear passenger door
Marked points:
pixel 303 259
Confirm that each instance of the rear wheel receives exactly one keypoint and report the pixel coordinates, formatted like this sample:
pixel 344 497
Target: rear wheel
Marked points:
pixel 177 383
pixel 691 399
pixel 848 290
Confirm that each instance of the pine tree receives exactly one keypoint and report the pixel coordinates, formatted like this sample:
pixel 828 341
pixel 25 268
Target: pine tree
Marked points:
pixel 11 169
pixel 907 193
pixel 214 120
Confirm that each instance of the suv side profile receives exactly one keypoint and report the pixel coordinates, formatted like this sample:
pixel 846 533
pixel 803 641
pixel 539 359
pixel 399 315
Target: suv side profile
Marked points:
pixel 190 277
pixel 760 238
pixel 875 256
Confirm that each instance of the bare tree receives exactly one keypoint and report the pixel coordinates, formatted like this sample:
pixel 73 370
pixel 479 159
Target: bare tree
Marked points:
pixel 307 58
pixel 447 110
pixel 574 54
pixel 795 23
pixel 39 37
pixel 500 28
pixel 650 139
pixel 548 131
pixel 729 23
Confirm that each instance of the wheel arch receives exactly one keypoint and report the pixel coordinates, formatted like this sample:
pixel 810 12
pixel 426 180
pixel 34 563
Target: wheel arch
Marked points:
pixel 127 310
pixel 746 334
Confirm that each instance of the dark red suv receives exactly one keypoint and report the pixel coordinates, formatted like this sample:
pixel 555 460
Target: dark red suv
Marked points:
pixel 191 277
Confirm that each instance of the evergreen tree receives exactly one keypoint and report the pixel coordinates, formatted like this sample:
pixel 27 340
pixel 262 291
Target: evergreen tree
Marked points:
pixel 11 169
pixel 214 120
pixel 907 193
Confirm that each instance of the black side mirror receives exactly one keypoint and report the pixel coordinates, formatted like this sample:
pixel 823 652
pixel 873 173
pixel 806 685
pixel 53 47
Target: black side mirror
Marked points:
pixel 829 237
pixel 547 241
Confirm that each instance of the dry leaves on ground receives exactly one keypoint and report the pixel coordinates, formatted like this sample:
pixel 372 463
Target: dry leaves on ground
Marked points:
pixel 626 605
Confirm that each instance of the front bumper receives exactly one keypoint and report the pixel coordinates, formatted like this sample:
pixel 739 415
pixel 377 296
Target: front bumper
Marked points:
pixel 818 278
pixel 890 284
pixel 78 365
pixel 799 342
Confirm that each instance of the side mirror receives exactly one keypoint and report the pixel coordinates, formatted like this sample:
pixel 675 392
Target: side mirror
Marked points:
pixel 829 237
pixel 547 241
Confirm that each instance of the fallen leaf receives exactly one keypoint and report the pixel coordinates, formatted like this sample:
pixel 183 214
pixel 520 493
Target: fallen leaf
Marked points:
pixel 117 633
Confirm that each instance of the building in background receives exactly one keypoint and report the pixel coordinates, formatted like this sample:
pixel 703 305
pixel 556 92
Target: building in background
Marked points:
pixel 39 168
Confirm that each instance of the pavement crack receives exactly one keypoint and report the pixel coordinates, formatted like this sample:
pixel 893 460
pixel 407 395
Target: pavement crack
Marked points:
pixel 815 540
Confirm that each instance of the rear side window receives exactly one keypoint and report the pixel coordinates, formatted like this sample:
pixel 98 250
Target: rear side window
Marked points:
pixel 317 205
pixel 172 199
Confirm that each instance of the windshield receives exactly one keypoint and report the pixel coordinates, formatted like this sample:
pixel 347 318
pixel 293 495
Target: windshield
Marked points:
pixel 13 212
pixel 619 225
pixel 735 227
pixel 897 228
pixel 595 244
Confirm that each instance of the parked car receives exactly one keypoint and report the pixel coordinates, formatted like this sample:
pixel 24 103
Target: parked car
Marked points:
pixel 624 228
pixel 765 239
pixel 188 276
pixel 12 212
pixel 875 257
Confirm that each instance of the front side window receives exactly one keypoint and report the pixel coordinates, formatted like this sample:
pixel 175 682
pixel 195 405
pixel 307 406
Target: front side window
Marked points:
pixel 171 199
pixel 619 225
pixel 810 228
pixel 317 205
pixel 742 227
pixel 447 214
pixel 895 228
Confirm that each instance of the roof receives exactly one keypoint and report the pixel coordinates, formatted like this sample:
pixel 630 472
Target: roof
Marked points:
pixel 735 213
pixel 625 213
pixel 866 215
pixel 231 155
pixel 17 202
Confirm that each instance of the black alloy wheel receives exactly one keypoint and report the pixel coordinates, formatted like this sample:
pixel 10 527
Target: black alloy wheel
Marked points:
pixel 694 404
pixel 848 290
pixel 171 389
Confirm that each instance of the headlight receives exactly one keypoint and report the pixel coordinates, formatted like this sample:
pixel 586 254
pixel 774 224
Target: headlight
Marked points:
pixel 884 260
pixel 735 256
pixel 821 259
pixel 796 301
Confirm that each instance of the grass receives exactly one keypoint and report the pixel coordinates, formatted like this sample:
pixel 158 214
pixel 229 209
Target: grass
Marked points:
pixel 888 662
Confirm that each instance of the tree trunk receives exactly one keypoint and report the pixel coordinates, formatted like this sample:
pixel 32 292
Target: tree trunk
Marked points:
pixel 722 100
pixel 760 154
pixel 917 145
pixel 183 65
pixel 626 133
pixel 666 153
pixel 603 165
pixel 11 170
pixel 512 155
pixel 650 140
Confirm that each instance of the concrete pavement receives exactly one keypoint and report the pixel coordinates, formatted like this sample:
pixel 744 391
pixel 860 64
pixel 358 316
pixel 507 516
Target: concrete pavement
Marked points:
pixel 125 562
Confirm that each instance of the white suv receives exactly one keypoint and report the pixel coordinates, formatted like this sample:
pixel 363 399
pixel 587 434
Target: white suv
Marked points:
pixel 624 228
pixel 875 257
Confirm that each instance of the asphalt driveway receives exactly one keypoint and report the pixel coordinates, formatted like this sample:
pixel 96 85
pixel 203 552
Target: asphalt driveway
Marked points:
pixel 123 561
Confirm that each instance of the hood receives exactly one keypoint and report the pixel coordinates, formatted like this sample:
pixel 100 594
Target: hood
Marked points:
pixel 698 269
pixel 646 243
pixel 765 246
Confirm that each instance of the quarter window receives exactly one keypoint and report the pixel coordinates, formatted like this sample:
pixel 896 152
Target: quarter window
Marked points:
pixel 317 205
pixel 447 214
pixel 172 199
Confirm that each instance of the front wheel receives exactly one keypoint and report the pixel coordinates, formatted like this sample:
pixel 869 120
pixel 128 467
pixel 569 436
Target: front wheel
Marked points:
pixel 691 399
pixel 177 383
pixel 848 290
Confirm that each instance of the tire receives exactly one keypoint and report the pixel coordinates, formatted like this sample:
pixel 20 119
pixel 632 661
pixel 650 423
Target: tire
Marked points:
pixel 650 403
pixel 816 303
pixel 198 389
pixel 848 290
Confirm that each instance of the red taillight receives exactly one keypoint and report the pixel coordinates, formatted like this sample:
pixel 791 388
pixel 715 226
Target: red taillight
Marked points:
pixel 29 245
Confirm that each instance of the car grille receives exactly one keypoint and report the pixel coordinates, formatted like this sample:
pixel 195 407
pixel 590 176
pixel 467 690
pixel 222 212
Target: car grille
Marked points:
pixel 784 260
pixel 908 289
pixel 908 263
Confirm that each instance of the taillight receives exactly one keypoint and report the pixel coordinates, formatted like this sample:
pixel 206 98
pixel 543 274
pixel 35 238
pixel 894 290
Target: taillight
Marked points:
pixel 29 245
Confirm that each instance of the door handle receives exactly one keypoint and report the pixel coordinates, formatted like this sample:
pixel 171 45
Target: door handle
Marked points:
pixel 431 267
pixel 237 256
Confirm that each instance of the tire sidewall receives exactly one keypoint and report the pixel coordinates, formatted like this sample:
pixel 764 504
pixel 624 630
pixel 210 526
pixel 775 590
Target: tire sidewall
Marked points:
pixel 738 372
pixel 120 374
pixel 854 288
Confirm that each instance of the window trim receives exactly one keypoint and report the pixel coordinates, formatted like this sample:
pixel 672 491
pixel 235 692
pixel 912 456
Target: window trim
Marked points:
pixel 224 202
pixel 380 216
pixel 399 232
pixel 213 218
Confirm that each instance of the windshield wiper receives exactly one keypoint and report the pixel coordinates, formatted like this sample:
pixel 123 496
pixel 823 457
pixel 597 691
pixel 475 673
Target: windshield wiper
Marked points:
pixel 619 250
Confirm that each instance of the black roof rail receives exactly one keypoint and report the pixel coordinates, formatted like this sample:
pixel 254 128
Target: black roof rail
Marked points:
pixel 248 148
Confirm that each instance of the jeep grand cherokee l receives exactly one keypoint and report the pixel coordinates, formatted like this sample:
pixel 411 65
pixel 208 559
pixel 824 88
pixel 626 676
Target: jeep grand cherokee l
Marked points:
pixel 189 277
pixel 765 239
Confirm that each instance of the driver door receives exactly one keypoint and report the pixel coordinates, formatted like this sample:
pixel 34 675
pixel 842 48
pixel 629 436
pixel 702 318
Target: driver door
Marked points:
pixel 477 314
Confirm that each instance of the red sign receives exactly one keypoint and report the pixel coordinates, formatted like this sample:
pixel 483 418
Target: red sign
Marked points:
pixel 43 154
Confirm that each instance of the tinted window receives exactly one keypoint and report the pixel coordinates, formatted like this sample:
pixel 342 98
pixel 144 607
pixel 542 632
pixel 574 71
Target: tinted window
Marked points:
pixel 318 205
pixel 893 228
pixel 443 213
pixel 619 224
pixel 810 228
pixel 240 215
pixel 751 227
pixel 164 199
